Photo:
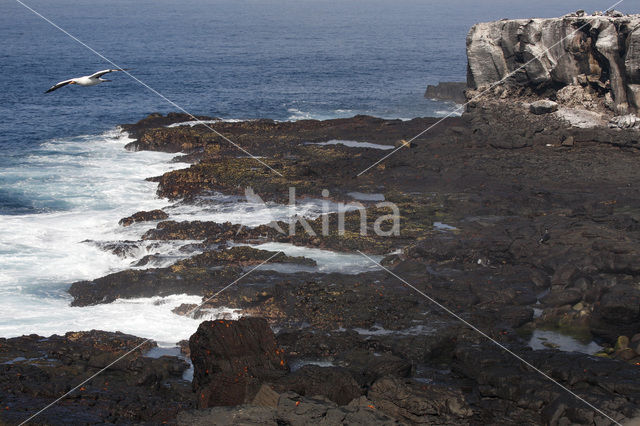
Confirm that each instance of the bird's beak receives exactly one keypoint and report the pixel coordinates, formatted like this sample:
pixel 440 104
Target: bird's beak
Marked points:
pixel 107 80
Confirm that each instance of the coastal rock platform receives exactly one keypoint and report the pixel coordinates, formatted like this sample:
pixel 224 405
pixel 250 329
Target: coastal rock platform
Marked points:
pixel 518 234
pixel 500 221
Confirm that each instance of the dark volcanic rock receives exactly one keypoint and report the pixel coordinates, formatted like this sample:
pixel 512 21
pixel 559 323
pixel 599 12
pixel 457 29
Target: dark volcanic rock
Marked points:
pixel 418 403
pixel 367 367
pixel 447 91
pixel 495 215
pixel 184 309
pixel 120 248
pixel 335 383
pixel 37 370
pixel 197 275
pixel 149 283
pixel 244 256
pixel 194 230
pixel 618 313
pixel 144 217
pixel 232 359
pixel 155 120
pixel 291 409
pixel 511 392
pixel 567 296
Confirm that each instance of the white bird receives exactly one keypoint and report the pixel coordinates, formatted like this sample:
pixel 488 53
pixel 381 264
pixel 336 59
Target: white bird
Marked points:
pixel 87 80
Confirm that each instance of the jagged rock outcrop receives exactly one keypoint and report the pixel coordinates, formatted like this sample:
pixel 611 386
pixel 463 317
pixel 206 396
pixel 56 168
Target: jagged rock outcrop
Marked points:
pixel 447 91
pixel 231 359
pixel 143 216
pixel 600 52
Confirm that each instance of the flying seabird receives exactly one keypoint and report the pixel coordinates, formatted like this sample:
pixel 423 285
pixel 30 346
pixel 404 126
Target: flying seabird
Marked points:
pixel 87 80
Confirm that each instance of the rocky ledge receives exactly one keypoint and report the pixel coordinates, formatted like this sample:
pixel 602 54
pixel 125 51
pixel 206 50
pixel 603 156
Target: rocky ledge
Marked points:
pixel 37 370
pixel 513 217
pixel 502 220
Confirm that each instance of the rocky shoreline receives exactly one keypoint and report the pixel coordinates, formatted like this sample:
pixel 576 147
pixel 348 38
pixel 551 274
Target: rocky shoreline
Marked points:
pixel 515 219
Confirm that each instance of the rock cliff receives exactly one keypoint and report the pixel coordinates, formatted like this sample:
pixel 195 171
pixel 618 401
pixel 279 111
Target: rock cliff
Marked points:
pixel 594 56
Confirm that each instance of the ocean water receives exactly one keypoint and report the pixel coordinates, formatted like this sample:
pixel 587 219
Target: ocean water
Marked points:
pixel 66 180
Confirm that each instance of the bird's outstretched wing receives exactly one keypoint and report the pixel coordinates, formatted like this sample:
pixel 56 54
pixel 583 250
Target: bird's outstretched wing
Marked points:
pixel 59 85
pixel 103 72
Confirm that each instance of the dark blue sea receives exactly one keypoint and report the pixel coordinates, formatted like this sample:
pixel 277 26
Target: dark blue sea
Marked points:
pixel 64 175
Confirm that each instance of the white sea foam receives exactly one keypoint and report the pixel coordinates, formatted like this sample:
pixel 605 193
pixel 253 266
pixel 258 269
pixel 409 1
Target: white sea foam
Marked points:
pixel 297 364
pixel 213 121
pixel 252 211
pixel 378 330
pixel 328 261
pixel 448 113
pixel 295 115
pixel 160 254
pixel 443 227
pixel 353 144
pixel 362 196
pixel 146 317
pixel 98 182
pixel 453 110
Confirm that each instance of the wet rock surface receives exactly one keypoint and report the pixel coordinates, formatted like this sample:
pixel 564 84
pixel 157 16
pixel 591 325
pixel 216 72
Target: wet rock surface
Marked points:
pixel 483 383
pixel 502 221
pixel 514 222
pixel 153 215
pixel 203 273
pixel 37 370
